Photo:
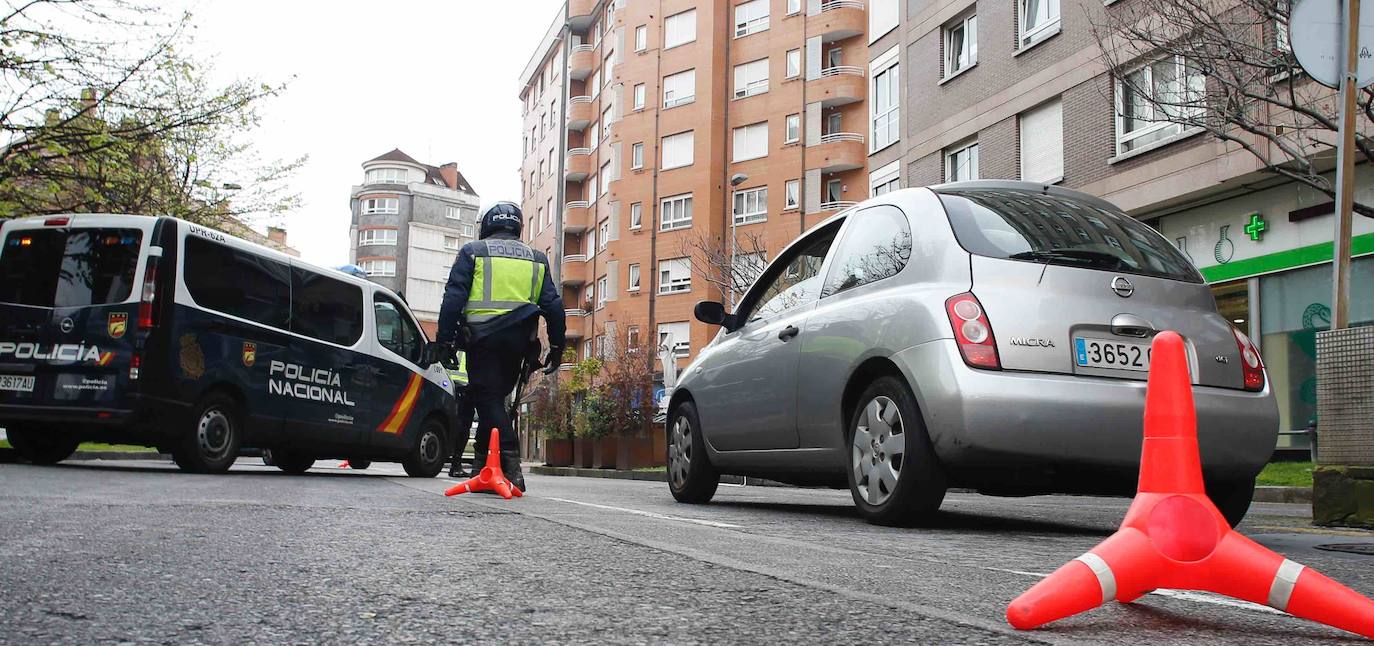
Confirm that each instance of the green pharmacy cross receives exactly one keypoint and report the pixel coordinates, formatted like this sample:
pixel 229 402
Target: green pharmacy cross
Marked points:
pixel 1255 229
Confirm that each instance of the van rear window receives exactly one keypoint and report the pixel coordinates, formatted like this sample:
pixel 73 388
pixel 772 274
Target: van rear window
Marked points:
pixel 69 267
pixel 1060 230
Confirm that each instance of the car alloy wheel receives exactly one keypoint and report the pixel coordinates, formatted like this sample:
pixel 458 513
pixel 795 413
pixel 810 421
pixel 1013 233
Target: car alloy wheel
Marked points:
pixel 691 478
pixel 877 450
pixel 680 452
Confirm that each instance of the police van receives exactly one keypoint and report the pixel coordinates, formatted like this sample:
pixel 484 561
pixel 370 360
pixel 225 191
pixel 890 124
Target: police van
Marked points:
pixel 160 332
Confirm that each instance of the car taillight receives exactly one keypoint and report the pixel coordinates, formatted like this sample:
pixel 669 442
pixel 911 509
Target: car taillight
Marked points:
pixel 145 304
pixel 972 331
pixel 1251 365
pixel 134 364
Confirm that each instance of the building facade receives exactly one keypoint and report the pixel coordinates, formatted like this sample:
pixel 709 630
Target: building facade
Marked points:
pixel 662 134
pixel 1017 89
pixel 409 220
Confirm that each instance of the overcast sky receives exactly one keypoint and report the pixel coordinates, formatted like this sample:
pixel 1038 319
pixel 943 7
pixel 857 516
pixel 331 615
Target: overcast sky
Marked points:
pixel 437 79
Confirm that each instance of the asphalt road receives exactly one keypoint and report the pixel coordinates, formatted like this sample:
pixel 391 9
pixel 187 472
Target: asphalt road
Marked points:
pixel 138 552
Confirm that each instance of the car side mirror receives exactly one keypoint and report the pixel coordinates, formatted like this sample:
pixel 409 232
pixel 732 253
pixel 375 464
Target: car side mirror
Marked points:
pixel 713 313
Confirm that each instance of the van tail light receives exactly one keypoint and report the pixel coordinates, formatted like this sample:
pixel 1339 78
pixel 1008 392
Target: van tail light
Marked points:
pixel 972 331
pixel 145 304
pixel 1251 365
pixel 134 364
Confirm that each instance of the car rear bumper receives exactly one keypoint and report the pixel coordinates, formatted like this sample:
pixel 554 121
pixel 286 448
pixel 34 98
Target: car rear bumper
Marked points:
pixel 143 412
pixel 1071 427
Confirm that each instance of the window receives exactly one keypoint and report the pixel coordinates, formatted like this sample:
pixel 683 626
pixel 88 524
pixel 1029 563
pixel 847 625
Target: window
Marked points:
pixel 641 38
pixel 677 150
pixel 395 331
pixel 542 169
pixel 453 212
pixel 594 84
pixel 834 57
pixel 793 6
pixel 376 237
pixel 793 129
pixel 679 335
pixel 70 268
pixel 680 29
pixel 381 206
pixel 637 155
pixel 548 211
pixel 603 232
pixel 797 281
pixel 961 164
pixel 606 122
pixel 793 194
pixel 600 294
pixel 587 349
pixel 218 277
pixel 961 45
pixel 467 229
pixel 674 275
pixel 751 18
pixel 885 179
pixel 680 88
pixel 1039 20
pixel 636 215
pixel 751 78
pixel 751 205
pixel 834 191
pixel 325 308
pixel 632 338
pixel 606 177
pixel 385 176
pixel 1153 101
pixel 453 243
pixel 882 18
pixel 379 267
pixel 552 168
pixel 639 96
pixel 594 136
pixel 793 63
pixel 590 241
pixel 751 141
pixel 632 284
pixel 1042 143
pixel 675 212
pixel 875 247
pixel 886 93
pixel 607 68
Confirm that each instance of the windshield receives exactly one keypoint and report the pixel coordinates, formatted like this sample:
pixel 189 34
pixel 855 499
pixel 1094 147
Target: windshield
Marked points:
pixel 69 267
pixel 1059 230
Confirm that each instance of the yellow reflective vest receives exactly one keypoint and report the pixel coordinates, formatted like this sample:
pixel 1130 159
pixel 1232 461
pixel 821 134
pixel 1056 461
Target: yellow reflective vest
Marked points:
pixel 505 277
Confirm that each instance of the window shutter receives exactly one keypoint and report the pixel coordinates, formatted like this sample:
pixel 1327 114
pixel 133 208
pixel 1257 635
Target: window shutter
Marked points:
pixel 1042 142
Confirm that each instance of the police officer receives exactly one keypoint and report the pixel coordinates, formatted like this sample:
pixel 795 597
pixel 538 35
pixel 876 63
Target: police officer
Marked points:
pixel 495 292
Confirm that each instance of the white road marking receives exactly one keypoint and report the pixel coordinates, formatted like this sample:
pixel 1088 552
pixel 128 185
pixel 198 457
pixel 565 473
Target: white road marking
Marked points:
pixel 650 514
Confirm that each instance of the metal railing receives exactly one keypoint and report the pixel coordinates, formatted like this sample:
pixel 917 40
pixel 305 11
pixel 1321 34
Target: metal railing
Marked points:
pixel 579 204
pixel 836 137
pixel 832 5
pixel 576 257
pixel 574 311
pixel 579 151
pixel 842 70
pixel 837 205
pixel 590 47
pixel 575 100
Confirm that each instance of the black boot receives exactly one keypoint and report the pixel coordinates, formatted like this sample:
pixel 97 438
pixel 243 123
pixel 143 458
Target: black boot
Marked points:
pixel 510 466
pixel 455 470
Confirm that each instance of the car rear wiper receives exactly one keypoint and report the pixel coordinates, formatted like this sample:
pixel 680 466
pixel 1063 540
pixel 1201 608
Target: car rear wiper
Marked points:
pixel 1094 258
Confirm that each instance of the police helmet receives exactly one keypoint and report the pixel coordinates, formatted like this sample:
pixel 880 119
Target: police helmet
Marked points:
pixel 501 216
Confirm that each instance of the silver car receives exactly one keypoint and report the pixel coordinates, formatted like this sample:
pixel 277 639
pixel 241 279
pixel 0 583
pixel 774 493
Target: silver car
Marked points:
pixel 992 335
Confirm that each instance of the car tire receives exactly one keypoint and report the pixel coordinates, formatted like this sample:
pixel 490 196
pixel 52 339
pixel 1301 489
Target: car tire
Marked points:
pixel 211 444
pixel 359 464
pixel 426 457
pixel 894 475
pixel 691 478
pixel 1232 498
pixel 292 462
pixel 42 446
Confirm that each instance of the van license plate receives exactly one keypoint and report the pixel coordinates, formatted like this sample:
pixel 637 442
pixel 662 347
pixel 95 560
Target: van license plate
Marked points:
pixel 1112 355
pixel 16 383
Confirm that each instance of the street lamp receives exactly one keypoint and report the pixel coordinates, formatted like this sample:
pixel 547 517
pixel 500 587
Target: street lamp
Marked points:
pixel 735 180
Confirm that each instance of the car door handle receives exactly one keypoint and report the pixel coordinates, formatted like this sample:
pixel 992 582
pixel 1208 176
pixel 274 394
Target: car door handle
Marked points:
pixel 788 332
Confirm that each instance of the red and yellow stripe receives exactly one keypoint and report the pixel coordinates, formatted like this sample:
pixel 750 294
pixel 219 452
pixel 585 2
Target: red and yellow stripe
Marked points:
pixel 400 413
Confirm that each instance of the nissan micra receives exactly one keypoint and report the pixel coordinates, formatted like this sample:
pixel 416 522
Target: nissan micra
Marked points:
pixel 992 335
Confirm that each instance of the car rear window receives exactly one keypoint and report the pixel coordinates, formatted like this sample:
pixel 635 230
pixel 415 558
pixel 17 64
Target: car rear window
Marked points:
pixel 1060 230
pixel 69 267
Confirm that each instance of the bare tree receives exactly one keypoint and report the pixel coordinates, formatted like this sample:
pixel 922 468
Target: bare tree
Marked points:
pixel 1224 67
pixel 731 270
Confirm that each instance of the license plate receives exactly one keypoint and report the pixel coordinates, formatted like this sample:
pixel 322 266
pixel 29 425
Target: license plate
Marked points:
pixel 1111 354
pixel 16 383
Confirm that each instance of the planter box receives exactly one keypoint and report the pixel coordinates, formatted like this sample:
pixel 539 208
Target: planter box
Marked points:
pixel 582 452
pixel 603 452
pixel 558 452
pixel 640 451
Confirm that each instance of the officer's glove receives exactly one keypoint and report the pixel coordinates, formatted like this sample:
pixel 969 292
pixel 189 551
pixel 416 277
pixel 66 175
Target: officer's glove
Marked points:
pixel 464 339
pixel 553 359
pixel 440 352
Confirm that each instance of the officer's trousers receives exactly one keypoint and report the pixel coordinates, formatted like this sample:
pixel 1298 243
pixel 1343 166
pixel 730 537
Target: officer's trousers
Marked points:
pixel 493 370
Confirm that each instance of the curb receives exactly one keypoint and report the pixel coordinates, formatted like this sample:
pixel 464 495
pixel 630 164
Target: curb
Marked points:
pixel 8 456
pixel 1301 495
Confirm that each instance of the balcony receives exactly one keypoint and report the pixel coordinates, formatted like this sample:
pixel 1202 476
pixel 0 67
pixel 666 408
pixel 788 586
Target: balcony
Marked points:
pixel 581 8
pixel 837 20
pixel 580 112
pixel 837 152
pixel 578 164
pixel 581 61
pixel 574 270
pixel 576 217
pixel 574 311
pixel 838 85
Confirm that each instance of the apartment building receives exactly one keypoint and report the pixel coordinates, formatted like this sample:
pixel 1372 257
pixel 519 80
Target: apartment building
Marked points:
pixel 409 220
pixel 657 131
pixel 1016 89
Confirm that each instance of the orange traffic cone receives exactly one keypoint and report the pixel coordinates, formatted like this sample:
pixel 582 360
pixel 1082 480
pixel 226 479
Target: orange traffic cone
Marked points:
pixel 1174 537
pixel 490 478
pixel 343 465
